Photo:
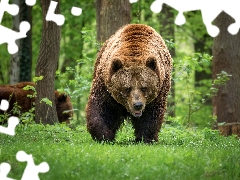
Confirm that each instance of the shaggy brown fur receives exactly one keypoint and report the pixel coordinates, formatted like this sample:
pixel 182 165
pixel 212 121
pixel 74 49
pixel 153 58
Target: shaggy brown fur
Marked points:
pixel 15 93
pixel 132 78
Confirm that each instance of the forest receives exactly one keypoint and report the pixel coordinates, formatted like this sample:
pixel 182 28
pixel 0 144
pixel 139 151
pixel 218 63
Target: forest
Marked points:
pixel 203 103
pixel 196 74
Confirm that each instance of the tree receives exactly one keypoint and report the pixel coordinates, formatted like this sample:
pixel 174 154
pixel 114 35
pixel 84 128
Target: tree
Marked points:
pixel 21 62
pixel 111 15
pixel 46 67
pixel 15 58
pixel 76 54
pixel 226 50
pixel 26 45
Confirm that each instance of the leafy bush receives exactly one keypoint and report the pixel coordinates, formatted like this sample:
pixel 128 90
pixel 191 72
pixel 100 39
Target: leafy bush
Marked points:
pixel 76 81
pixel 189 99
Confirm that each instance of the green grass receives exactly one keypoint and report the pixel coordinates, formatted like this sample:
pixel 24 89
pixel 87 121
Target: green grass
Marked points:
pixel 71 154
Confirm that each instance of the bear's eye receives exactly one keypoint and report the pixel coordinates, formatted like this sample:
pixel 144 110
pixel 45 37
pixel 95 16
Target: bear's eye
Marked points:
pixel 127 90
pixel 144 89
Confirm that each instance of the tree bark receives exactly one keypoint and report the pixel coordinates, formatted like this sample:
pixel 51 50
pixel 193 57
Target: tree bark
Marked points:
pixel 26 45
pixel 21 62
pixel 15 58
pixel 226 57
pixel 47 66
pixel 111 15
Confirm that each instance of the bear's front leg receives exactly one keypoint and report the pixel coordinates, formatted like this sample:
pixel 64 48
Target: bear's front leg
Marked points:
pixel 148 125
pixel 104 117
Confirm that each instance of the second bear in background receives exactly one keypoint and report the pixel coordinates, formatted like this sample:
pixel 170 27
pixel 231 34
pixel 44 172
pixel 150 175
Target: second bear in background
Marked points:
pixel 15 93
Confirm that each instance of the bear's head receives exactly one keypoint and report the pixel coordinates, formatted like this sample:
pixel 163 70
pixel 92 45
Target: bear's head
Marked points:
pixel 134 84
pixel 64 107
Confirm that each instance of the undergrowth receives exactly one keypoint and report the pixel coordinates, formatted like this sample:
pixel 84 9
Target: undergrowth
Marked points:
pixel 181 153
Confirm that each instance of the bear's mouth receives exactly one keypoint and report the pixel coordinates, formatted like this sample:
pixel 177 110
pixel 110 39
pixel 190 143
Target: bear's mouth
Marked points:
pixel 137 113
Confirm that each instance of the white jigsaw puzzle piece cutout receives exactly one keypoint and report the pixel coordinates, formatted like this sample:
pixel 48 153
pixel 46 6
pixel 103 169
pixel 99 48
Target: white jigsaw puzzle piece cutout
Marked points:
pixel 30 2
pixel 7 35
pixel 76 11
pixel 51 16
pixel 12 9
pixel 231 7
pixel 31 171
pixel 133 1
pixel 12 121
pixel 4 170
pixel 4 105
pixel 10 130
pixel 210 10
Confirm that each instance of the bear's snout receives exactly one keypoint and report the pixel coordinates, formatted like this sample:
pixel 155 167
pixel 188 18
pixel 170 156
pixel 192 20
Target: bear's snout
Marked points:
pixel 138 106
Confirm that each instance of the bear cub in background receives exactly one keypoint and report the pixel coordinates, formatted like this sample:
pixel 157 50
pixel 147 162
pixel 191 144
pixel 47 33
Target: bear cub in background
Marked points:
pixel 15 93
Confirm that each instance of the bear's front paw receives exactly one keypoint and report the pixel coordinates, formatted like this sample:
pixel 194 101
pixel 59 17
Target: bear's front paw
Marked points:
pixel 100 135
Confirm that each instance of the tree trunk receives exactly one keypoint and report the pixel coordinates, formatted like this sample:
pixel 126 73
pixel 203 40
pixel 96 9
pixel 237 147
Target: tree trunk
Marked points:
pixel 47 66
pixel 26 45
pixel 15 58
pixel 21 62
pixel 226 57
pixel 111 15
pixel 167 25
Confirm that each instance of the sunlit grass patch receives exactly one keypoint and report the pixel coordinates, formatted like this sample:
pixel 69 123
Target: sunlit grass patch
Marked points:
pixel 181 153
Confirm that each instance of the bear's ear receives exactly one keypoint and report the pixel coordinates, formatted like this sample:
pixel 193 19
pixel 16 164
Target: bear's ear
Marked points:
pixel 116 65
pixel 62 97
pixel 152 63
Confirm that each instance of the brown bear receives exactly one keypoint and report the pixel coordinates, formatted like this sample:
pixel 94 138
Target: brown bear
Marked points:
pixel 15 93
pixel 132 78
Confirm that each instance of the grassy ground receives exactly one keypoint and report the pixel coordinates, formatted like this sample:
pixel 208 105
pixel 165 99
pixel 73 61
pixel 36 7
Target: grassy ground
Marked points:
pixel 181 153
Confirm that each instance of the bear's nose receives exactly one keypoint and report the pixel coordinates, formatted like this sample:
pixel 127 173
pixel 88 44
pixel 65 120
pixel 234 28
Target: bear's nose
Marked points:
pixel 138 106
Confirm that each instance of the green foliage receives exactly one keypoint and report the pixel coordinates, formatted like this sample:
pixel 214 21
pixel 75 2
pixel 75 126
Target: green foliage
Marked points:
pixel 76 80
pixel 4 55
pixel 78 51
pixel 47 101
pixel 181 153
pixel 221 79
pixel 16 109
pixel 193 99
pixel 28 117
pixel 170 44
pixel 36 79
pixel 195 29
pixel 32 88
pixel 188 64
